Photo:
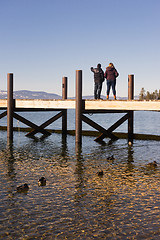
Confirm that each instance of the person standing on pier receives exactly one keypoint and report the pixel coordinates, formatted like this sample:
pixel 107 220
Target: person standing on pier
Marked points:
pixel 111 74
pixel 98 80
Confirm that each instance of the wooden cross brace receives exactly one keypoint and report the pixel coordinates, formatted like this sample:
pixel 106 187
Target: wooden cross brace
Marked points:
pixel 36 127
pixel 105 132
pixel 3 114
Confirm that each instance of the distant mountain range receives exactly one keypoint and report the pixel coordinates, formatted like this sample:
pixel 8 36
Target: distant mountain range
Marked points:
pixel 25 94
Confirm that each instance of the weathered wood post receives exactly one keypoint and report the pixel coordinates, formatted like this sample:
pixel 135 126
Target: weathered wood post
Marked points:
pixel 130 87
pixel 10 106
pixel 78 120
pixel 64 112
pixel 130 113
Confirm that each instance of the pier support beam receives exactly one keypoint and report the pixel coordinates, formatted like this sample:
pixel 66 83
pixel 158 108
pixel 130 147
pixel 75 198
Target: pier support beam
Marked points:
pixel 10 106
pixel 64 112
pixel 130 113
pixel 130 87
pixel 78 120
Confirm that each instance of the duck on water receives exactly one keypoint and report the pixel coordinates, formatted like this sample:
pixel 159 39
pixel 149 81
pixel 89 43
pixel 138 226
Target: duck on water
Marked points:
pixel 23 188
pixel 42 181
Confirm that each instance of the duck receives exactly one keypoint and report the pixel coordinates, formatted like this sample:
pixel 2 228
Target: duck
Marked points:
pixel 152 164
pixel 23 188
pixel 111 158
pixel 42 181
pixel 100 173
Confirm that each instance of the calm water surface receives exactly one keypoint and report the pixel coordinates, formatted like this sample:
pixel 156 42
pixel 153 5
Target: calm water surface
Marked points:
pixel 76 203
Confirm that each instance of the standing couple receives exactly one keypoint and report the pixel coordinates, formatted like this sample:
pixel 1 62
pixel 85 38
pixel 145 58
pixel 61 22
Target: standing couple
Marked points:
pixel 110 74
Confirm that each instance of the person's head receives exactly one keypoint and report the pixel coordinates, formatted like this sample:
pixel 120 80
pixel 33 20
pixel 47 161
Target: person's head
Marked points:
pixel 98 65
pixel 111 65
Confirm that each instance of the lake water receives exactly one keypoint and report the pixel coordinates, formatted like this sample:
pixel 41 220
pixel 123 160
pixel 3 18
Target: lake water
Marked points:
pixel 76 203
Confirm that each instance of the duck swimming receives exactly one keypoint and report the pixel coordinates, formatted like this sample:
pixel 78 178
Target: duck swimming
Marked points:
pixel 42 181
pixel 152 164
pixel 100 173
pixel 23 188
pixel 111 158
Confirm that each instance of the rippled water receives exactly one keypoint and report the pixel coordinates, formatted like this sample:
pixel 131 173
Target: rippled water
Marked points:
pixel 76 203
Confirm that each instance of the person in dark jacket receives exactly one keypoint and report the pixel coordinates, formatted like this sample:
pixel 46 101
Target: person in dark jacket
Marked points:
pixel 98 80
pixel 111 74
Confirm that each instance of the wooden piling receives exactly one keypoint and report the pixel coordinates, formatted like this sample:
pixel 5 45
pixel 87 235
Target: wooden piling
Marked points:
pixel 130 113
pixel 130 87
pixel 10 106
pixel 64 112
pixel 78 120
pixel 64 88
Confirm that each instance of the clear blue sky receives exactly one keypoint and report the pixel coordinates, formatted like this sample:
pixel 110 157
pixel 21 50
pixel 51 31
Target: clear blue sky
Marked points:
pixel 43 40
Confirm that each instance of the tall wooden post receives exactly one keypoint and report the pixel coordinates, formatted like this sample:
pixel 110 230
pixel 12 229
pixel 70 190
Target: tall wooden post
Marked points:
pixel 130 87
pixel 10 106
pixel 130 113
pixel 64 112
pixel 78 127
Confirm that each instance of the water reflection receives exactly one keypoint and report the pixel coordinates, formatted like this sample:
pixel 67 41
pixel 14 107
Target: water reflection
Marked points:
pixel 64 146
pixel 130 153
pixel 10 160
pixel 9 168
pixel 79 174
pixel 76 203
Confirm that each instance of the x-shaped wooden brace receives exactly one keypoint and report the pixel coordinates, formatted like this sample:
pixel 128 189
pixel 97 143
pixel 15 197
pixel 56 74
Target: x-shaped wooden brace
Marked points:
pixel 105 132
pixel 34 126
pixel 3 114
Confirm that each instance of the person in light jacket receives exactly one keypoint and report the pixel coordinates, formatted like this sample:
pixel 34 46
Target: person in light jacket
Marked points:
pixel 111 74
pixel 98 80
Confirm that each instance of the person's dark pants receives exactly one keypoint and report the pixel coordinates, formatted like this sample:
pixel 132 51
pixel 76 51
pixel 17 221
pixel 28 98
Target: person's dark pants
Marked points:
pixel 111 83
pixel 97 90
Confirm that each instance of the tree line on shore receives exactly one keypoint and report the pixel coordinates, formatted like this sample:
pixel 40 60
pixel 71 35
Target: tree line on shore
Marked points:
pixel 146 95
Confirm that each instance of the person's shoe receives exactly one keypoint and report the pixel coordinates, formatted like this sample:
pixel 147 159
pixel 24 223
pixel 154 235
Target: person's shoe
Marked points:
pixel 114 97
pixel 107 97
